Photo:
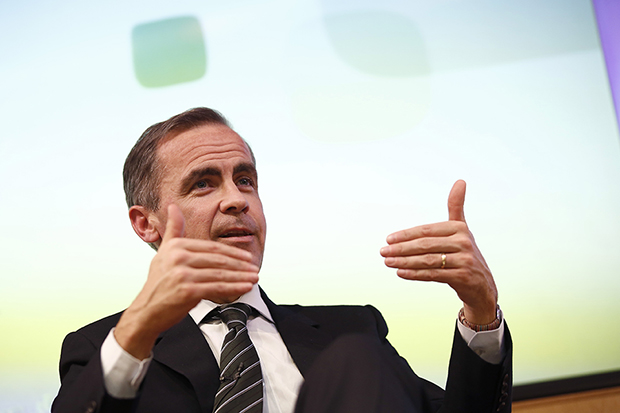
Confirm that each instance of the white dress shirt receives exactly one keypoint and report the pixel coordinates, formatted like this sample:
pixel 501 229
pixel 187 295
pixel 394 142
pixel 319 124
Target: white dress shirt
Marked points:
pixel 123 373
pixel 281 378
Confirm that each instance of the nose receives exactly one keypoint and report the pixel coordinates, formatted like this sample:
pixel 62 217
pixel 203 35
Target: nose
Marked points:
pixel 233 200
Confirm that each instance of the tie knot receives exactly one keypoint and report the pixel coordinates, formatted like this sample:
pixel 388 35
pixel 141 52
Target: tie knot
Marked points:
pixel 235 313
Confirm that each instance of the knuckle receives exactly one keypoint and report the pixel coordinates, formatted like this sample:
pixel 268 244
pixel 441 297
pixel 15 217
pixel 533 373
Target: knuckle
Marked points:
pixel 181 274
pixel 468 261
pixel 216 247
pixel 426 230
pixel 178 256
pixel 396 249
pixel 426 244
pixel 392 262
pixel 402 262
pixel 403 235
pixel 174 243
pixel 219 260
pixel 429 275
pixel 217 273
pixel 429 260
pixel 406 273
pixel 185 292
pixel 461 226
pixel 463 241
pixel 220 288
pixel 463 276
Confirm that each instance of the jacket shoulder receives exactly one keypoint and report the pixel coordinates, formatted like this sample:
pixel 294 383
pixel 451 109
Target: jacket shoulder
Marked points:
pixel 343 319
pixel 97 331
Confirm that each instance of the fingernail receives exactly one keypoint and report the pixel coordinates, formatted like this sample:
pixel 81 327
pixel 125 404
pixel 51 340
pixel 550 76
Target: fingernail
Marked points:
pixel 385 250
pixel 390 239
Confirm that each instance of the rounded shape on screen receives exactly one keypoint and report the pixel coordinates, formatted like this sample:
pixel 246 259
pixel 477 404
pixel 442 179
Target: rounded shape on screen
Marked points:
pixel 378 43
pixel 167 52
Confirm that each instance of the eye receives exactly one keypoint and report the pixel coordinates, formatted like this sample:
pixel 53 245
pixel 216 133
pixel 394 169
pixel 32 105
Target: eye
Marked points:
pixel 201 184
pixel 245 181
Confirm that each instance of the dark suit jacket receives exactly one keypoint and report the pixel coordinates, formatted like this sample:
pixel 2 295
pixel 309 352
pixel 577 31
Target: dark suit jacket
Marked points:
pixel 183 376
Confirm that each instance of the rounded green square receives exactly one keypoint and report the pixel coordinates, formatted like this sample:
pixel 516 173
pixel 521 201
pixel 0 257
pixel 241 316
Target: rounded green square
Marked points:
pixel 167 52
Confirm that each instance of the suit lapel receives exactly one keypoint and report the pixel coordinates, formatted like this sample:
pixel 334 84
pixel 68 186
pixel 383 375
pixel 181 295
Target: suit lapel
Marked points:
pixel 184 349
pixel 300 334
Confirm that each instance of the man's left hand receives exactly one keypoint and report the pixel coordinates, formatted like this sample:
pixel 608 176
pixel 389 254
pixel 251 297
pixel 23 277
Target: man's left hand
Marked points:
pixel 417 254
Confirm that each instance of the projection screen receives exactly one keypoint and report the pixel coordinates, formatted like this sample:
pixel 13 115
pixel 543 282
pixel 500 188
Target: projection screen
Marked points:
pixel 361 114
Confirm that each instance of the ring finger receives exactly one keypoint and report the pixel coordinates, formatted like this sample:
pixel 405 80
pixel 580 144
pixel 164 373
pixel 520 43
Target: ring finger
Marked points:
pixel 435 260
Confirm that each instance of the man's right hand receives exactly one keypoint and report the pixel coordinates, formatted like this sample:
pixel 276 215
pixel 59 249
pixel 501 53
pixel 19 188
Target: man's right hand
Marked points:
pixel 183 272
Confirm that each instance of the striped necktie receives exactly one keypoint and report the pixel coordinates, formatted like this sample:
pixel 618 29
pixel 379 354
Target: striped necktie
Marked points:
pixel 241 380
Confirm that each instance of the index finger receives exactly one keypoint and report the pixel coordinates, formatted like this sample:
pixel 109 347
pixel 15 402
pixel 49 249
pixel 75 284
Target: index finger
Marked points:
pixel 439 229
pixel 214 247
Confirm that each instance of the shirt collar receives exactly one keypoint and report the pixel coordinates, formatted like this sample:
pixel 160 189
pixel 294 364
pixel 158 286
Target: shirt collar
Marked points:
pixel 252 298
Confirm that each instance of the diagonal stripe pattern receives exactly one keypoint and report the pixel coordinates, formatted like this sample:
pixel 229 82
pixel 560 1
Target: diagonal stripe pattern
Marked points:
pixel 241 380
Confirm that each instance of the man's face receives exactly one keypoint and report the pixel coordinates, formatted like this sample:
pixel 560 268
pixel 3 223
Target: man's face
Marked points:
pixel 208 172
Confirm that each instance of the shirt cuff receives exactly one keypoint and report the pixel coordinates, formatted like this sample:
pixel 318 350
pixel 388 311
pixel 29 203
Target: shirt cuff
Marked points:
pixel 122 373
pixel 489 345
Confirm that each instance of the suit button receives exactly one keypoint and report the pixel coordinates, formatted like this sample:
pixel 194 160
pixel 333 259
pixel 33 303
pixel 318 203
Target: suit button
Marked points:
pixel 501 406
pixel 91 407
pixel 505 383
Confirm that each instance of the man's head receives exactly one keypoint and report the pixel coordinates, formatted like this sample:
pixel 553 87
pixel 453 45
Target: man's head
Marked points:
pixel 141 174
pixel 197 162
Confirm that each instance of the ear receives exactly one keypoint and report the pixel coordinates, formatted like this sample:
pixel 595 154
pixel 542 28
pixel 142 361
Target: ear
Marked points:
pixel 145 223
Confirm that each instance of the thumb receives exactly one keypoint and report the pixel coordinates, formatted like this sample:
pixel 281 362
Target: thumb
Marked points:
pixel 456 200
pixel 175 226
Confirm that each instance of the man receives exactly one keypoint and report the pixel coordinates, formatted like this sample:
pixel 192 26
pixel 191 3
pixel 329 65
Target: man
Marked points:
pixel 192 190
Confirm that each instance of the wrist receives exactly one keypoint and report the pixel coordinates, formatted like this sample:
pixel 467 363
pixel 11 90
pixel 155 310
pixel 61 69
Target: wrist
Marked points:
pixel 134 339
pixel 484 312
pixel 478 326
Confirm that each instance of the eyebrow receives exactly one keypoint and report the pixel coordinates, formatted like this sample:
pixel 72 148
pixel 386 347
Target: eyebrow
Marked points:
pixel 244 167
pixel 189 180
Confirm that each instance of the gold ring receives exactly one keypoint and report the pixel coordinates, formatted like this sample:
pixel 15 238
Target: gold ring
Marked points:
pixel 443 261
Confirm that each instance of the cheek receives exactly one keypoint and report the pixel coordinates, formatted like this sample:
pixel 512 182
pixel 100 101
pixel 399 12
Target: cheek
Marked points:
pixel 198 222
pixel 259 216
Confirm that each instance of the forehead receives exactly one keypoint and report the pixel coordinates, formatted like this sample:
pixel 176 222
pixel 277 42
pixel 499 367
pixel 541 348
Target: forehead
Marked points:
pixel 213 144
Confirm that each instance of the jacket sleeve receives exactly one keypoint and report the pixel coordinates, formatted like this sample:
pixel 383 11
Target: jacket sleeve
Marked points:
pixel 477 386
pixel 473 385
pixel 82 389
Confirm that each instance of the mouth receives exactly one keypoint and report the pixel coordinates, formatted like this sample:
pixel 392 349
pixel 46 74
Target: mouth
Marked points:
pixel 236 234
